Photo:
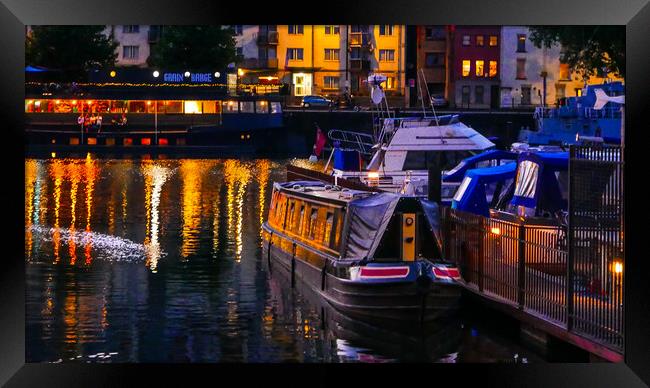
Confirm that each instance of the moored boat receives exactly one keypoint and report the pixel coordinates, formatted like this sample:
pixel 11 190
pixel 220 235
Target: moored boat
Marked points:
pixel 371 255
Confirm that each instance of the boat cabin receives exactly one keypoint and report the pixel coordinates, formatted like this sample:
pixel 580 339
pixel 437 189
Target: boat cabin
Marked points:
pixel 351 225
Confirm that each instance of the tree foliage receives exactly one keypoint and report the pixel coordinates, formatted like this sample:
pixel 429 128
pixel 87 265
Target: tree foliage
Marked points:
pixel 194 47
pixel 586 49
pixel 72 49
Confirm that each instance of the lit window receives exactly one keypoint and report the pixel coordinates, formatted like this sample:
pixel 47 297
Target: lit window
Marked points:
pixel 521 43
pixel 247 106
pixel 386 55
pixel 210 107
pixel 296 29
pixel 479 68
pixel 386 29
pixel 564 71
pixel 331 54
pixel 390 83
pixel 230 107
pixel 494 40
pixel 466 66
pixel 466 40
pixel 480 40
pixel 493 69
pixel 261 106
pixel 192 107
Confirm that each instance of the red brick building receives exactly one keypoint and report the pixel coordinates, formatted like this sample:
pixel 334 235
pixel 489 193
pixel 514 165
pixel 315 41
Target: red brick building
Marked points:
pixel 475 56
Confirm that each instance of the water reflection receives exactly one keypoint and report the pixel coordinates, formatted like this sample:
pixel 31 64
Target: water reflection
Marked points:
pixel 160 261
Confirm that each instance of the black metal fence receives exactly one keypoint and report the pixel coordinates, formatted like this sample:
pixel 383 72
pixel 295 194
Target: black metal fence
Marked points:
pixel 596 254
pixel 515 261
pixel 574 279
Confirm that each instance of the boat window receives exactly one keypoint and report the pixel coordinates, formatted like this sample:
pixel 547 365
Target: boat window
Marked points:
pixel 291 214
pixel 229 106
pixel 301 218
pixel 261 107
pixel 329 223
pixel 275 107
pixel 313 218
pixel 415 160
pixel 461 189
pixel 247 106
pixel 527 173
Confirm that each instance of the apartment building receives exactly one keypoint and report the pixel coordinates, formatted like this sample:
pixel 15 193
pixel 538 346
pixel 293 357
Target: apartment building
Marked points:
pixel 322 59
pixel 135 43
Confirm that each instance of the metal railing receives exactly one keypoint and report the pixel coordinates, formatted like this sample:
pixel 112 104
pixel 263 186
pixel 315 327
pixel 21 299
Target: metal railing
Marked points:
pixel 526 264
pixel 596 252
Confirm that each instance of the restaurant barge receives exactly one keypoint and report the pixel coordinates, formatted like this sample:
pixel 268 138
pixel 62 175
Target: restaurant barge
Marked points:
pixel 140 108
pixel 372 255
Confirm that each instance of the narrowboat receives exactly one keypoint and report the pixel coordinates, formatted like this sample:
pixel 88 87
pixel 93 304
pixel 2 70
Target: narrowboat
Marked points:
pixel 371 255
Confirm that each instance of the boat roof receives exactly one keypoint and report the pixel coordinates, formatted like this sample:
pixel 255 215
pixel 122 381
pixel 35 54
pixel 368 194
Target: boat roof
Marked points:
pixel 321 190
pixel 550 160
pixel 494 173
pixel 451 137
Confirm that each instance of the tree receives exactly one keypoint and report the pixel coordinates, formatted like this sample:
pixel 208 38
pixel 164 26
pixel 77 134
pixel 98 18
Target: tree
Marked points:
pixel 194 47
pixel 586 49
pixel 73 49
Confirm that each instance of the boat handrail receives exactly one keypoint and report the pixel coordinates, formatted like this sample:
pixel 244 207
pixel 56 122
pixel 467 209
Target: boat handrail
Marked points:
pixel 359 141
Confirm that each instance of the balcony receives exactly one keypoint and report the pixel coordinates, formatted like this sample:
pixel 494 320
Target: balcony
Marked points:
pixel 260 63
pixel 359 39
pixel 359 64
pixel 266 38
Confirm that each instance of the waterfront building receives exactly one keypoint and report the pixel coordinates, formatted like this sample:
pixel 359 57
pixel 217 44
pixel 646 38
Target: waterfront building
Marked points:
pixel 322 59
pixel 432 50
pixel 135 42
pixel 475 57
pixel 532 76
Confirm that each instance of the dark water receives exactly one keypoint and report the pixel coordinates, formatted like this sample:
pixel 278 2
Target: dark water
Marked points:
pixel 160 261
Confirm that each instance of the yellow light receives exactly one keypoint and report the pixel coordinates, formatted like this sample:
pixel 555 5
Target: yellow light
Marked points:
pixel 148 102
pixel 113 73
pixel 89 102
pixel 240 72
pixel 373 175
pixel 242 137
pixel 58 101
pixel 496 231
pixel 53 154
pixel 30 101
pixel 618 267
pixel 74 102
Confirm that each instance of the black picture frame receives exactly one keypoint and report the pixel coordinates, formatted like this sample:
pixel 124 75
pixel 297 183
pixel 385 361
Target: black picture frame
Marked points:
pixel 634 14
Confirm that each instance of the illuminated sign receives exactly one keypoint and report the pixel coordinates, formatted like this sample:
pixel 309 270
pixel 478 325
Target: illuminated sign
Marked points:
pixel 194 77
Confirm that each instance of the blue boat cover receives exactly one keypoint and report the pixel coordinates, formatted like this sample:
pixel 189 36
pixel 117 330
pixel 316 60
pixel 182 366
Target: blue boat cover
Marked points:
pixel 536 180
pixel 458 172
pixel 368 219
pixel 347 160
pixel 471 196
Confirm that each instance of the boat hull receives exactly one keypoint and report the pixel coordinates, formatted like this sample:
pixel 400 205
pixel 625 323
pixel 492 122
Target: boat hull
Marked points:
pixel 391 303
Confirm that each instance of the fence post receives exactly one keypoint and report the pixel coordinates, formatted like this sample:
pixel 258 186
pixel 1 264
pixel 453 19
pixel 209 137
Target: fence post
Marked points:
pixel 521 267
pixel 570 250
pixel 481 255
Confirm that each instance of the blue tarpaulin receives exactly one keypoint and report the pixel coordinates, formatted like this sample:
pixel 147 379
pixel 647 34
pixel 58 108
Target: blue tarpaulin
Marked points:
pixel 471 195
pixel 457 174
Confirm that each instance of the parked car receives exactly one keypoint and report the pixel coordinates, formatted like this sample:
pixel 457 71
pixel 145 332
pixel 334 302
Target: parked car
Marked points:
pixel 438 100
pixel 316 101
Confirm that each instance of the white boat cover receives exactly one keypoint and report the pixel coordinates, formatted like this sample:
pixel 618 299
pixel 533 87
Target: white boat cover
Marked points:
pixel 368 219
